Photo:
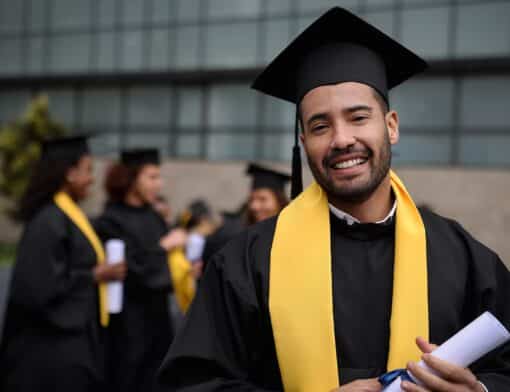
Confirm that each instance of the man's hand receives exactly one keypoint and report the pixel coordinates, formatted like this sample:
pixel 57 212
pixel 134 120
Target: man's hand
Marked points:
pixel 369 385
pixel 175 239
pixel 451 378
pixel 110 272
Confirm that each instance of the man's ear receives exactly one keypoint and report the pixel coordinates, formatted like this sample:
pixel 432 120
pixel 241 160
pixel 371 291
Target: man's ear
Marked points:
pixel 391 119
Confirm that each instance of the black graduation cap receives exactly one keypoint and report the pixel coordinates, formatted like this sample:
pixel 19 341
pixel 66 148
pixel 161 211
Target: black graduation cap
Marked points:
pixel 337 47
pixel 65 148
pixel 140 156
pixel 266 178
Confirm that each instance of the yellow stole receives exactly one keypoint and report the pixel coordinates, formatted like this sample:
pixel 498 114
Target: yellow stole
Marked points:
pixel 301 297
pixel 182 280
pixel 73 212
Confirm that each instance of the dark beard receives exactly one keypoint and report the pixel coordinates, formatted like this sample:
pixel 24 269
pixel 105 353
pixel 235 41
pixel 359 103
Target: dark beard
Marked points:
pixel 360 193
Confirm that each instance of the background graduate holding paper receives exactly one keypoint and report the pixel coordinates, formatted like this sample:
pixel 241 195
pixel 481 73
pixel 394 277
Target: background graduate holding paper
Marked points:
pixel 57 304
pixel 334 291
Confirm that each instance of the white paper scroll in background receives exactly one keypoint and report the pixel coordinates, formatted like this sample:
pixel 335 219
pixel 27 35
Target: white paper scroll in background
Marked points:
pixel 195 247
pixel 468 345
pixel 115 253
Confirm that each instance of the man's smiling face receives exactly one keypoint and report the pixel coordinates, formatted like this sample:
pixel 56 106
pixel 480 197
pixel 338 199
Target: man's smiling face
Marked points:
pixel 347 135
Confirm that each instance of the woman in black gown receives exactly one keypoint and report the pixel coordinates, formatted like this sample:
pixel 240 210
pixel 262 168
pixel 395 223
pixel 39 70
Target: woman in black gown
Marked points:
pixel 52 335
pixel 140 335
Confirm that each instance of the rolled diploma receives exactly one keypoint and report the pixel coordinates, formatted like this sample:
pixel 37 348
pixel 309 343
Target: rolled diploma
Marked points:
pixel 195 247
pixel 115 253
pixel 471 343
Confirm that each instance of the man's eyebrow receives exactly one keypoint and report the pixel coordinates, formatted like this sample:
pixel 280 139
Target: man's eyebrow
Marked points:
pixel 356 108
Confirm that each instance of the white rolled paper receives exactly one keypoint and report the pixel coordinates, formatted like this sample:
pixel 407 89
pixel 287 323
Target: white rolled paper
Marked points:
pixel 115 253
pixel 471 343
pixel 195 247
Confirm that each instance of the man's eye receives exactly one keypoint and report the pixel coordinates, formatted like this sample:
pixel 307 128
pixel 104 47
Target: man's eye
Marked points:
pixel 359 118
pixel 318 128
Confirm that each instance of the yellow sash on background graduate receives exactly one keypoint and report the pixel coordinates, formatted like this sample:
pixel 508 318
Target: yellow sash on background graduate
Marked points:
pixel 301 290
pixel 73 212
pixel 182 279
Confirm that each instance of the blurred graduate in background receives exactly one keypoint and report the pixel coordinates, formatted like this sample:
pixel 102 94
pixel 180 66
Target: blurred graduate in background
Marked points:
pixel 57 303
pixel 140 335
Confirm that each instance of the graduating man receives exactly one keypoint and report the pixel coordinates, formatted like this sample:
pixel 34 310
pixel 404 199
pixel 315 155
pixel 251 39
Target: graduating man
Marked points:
pixel 350 280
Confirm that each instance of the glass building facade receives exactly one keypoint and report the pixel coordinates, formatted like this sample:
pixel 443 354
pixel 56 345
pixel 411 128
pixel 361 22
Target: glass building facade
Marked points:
pixel 175 74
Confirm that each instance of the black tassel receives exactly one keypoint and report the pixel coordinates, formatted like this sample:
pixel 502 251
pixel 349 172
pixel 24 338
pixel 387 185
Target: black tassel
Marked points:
pixel 297 175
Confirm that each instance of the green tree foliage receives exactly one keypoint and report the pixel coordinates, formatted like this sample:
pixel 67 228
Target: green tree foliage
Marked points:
pixel 20 145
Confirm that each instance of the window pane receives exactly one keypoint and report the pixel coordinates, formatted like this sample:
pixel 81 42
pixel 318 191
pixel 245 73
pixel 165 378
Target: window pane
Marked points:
pixel 188 10
pixel 37 15
pixel 147 139
pixel 426 31
pixel 278 7
pixel 231 146
pixel 278 113
pixel 188 146
pixel 101 108
pixel 186 55
pixel 232 105
pixel 277 37
pixel 36 54
pixel 105 143
pixel 13 104
pixel 378 3
pixel 190 108
pixel 485 149
pixel 383 20
pixel 105 51
pixel 11 16
pixel 61 104
pixel 133 12
pixel 162 11
pixel 162 45
pixel 107 13
pixel 69 53
pixel 231 45
pixel 433 149
pixel 424 103
pixel 277 147
pixel 485 102
pixel 149 106
pixel 483 30
pixel 305 6
pixel 70 14
pixel 11 53
pixel 132 55
pixel 234 9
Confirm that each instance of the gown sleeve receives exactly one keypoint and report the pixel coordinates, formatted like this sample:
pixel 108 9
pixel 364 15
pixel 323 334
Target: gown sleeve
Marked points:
pixel 44 285
pixel 218 347
pixel 146 261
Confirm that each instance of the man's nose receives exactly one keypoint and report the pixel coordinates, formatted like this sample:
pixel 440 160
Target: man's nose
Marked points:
pixel 342 138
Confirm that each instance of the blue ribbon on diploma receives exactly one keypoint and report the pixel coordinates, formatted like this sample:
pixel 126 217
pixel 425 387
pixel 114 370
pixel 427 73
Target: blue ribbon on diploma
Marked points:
pixel 387 378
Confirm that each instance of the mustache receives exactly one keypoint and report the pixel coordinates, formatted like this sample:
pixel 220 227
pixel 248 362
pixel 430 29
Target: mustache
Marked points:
pixel 339 152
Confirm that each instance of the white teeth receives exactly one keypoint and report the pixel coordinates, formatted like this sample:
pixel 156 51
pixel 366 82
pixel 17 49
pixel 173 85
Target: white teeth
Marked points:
pixel 350 163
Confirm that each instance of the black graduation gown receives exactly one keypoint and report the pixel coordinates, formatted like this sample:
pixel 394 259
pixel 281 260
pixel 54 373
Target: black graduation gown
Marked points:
pixel 51 339
pixel 227 341
pixel 138 337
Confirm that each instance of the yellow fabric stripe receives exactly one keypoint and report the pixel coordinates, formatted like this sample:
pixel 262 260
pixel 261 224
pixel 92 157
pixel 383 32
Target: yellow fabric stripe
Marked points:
pixel 73 212
pixel 300 295
pixel 301 298
pixel 410 310
pixel 182 280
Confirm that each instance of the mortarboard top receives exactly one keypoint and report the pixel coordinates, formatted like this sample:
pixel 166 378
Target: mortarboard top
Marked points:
pixel 266 178
pixel 140 156
pixel 69 148
pixel 338 47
